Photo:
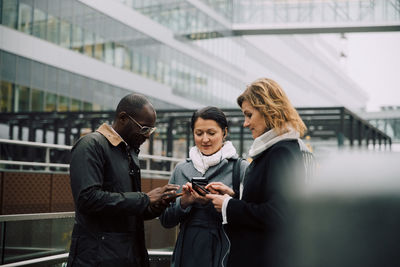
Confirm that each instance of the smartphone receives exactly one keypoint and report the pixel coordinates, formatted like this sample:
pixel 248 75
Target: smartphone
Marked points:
pixel 171 197
pixel 198 184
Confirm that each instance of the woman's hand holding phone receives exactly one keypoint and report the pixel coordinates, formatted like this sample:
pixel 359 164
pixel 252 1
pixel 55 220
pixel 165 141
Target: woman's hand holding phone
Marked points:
pixel 220 188
pixel 190 196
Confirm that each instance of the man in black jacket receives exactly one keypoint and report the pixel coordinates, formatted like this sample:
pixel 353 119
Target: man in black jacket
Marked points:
pixel 106 186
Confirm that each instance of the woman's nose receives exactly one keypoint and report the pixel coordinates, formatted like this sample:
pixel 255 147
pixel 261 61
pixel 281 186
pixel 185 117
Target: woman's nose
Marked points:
pixel 246 123
pixel 205 138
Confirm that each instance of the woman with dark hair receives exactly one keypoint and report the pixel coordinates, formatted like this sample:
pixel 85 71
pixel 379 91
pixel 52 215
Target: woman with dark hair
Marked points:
pixel 257 222
pixel 202 240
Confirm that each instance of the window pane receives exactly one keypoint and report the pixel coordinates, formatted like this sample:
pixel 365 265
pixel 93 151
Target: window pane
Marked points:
pixel 96 107
pixel 63 103
pixel 22 98
pixel 37 100
pixel 75 105
pixel 77 37
pixel 9 14
pixel 109 53
pixel 127 59
pixel 119 56
pixel 6 97
pixel 65 34
pixel 51 102
pixel 89 38
pixel 99 48
pixel 25 18
pixel 87 106
pixel 39 24
pixel 52 29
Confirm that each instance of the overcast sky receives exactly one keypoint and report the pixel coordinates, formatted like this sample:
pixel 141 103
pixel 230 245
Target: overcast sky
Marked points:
pixel 374 63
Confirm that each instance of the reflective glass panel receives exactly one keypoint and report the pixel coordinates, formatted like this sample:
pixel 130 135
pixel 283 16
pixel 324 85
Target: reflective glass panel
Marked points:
pixel 62 103
pixel 6 97
pixel 39 24
pixel 22 98
pixel 50 102
pixel 37 100
pixel 25 18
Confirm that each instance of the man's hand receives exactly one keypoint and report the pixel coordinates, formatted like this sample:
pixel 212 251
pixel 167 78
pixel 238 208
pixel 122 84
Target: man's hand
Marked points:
pixel 220 188
pixel 157 195
pixel 217 200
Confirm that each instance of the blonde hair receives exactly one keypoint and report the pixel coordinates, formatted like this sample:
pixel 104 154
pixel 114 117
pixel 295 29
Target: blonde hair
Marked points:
pixel 270 100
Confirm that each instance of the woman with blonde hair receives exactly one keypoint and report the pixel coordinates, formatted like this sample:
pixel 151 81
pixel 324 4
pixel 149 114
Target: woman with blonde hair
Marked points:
pixel 256 222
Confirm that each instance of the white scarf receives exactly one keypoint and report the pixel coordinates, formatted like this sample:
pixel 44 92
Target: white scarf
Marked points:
pixel 268 139
pixel 202 162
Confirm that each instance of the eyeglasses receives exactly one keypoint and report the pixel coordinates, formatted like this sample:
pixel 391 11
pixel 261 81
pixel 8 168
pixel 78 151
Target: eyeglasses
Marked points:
pixel 144 130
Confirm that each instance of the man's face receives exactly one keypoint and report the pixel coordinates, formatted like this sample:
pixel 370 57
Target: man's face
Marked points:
pixel 132 131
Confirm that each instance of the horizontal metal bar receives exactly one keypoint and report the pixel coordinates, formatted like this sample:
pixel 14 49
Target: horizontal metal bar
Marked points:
pixel 36 144
pixel 38 260
pixel 35 164
pixel 36 216
pixel 64 256
pixel 45 145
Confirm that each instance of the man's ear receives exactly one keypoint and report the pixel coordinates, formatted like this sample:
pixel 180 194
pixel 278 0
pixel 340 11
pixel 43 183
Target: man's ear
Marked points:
pixel 122 117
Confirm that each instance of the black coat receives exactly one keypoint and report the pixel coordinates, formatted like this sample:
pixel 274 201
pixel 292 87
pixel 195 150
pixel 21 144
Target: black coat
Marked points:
pixel 257 222
pixel 109 207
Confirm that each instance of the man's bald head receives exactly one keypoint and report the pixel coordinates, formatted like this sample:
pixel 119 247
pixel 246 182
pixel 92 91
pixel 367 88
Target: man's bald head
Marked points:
pixel 132 104
pixel 134 112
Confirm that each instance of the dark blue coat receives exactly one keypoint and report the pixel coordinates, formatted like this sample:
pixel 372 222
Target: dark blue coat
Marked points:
pixel 257 222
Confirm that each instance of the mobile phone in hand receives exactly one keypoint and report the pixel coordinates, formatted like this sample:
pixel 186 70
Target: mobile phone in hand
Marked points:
pixel 171 197
pixel 198 184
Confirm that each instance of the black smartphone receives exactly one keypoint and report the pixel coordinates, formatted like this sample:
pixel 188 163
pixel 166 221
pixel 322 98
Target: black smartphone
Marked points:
pixel 172 197
pixel 198 184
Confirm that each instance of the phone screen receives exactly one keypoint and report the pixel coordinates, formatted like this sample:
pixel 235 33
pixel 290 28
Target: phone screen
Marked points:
pixel 198 184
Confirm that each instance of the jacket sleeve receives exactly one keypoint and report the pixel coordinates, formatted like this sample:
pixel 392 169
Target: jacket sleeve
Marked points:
pixel 174 214
pixel 273 212
pixel 86 173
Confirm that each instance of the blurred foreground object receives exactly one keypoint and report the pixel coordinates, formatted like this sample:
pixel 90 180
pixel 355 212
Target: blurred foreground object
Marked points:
pixel 349 214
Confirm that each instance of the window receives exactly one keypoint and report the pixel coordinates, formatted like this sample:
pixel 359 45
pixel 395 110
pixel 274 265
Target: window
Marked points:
pixel 6 97
pixel 39 24
pixel 65 34
pixel 9 13
pixel 87 106
pixel 77 38
pixel 37 100
pixel 53 30
pixel 22 99
pixel 25 18
pixel 62 103
pixel 99 48
pixel 75 105
pixel 50 102
pixel 88 47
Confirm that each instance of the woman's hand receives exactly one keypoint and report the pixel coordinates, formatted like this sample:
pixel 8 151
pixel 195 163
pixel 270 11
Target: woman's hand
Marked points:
pixel 190 196
pixel 220 188
pixel 187 198
pixel 217 200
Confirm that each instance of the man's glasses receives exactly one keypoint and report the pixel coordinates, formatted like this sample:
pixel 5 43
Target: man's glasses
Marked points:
pixel 144 130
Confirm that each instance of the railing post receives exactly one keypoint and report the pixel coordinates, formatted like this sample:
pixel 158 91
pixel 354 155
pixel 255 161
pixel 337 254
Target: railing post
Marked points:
pixel 3 240
pixel 47 158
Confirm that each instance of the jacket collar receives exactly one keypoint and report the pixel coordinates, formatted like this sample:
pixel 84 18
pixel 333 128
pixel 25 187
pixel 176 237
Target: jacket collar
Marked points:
pixel 110 134
pixel 212 172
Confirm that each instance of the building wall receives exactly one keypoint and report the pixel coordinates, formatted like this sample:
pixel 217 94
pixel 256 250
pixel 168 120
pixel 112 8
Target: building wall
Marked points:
pixel 86 55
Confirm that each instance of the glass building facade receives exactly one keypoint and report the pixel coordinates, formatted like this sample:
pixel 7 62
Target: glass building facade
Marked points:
pixel 31 86
pixel 184 49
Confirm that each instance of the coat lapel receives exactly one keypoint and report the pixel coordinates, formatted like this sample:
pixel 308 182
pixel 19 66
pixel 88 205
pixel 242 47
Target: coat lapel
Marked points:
pixel 212 172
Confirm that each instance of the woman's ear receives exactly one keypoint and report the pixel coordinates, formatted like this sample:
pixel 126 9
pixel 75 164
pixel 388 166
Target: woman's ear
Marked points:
pixel 225 133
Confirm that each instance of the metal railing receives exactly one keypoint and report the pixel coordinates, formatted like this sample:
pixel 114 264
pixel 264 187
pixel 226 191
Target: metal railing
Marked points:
pixel 47 164
pixel 60 256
